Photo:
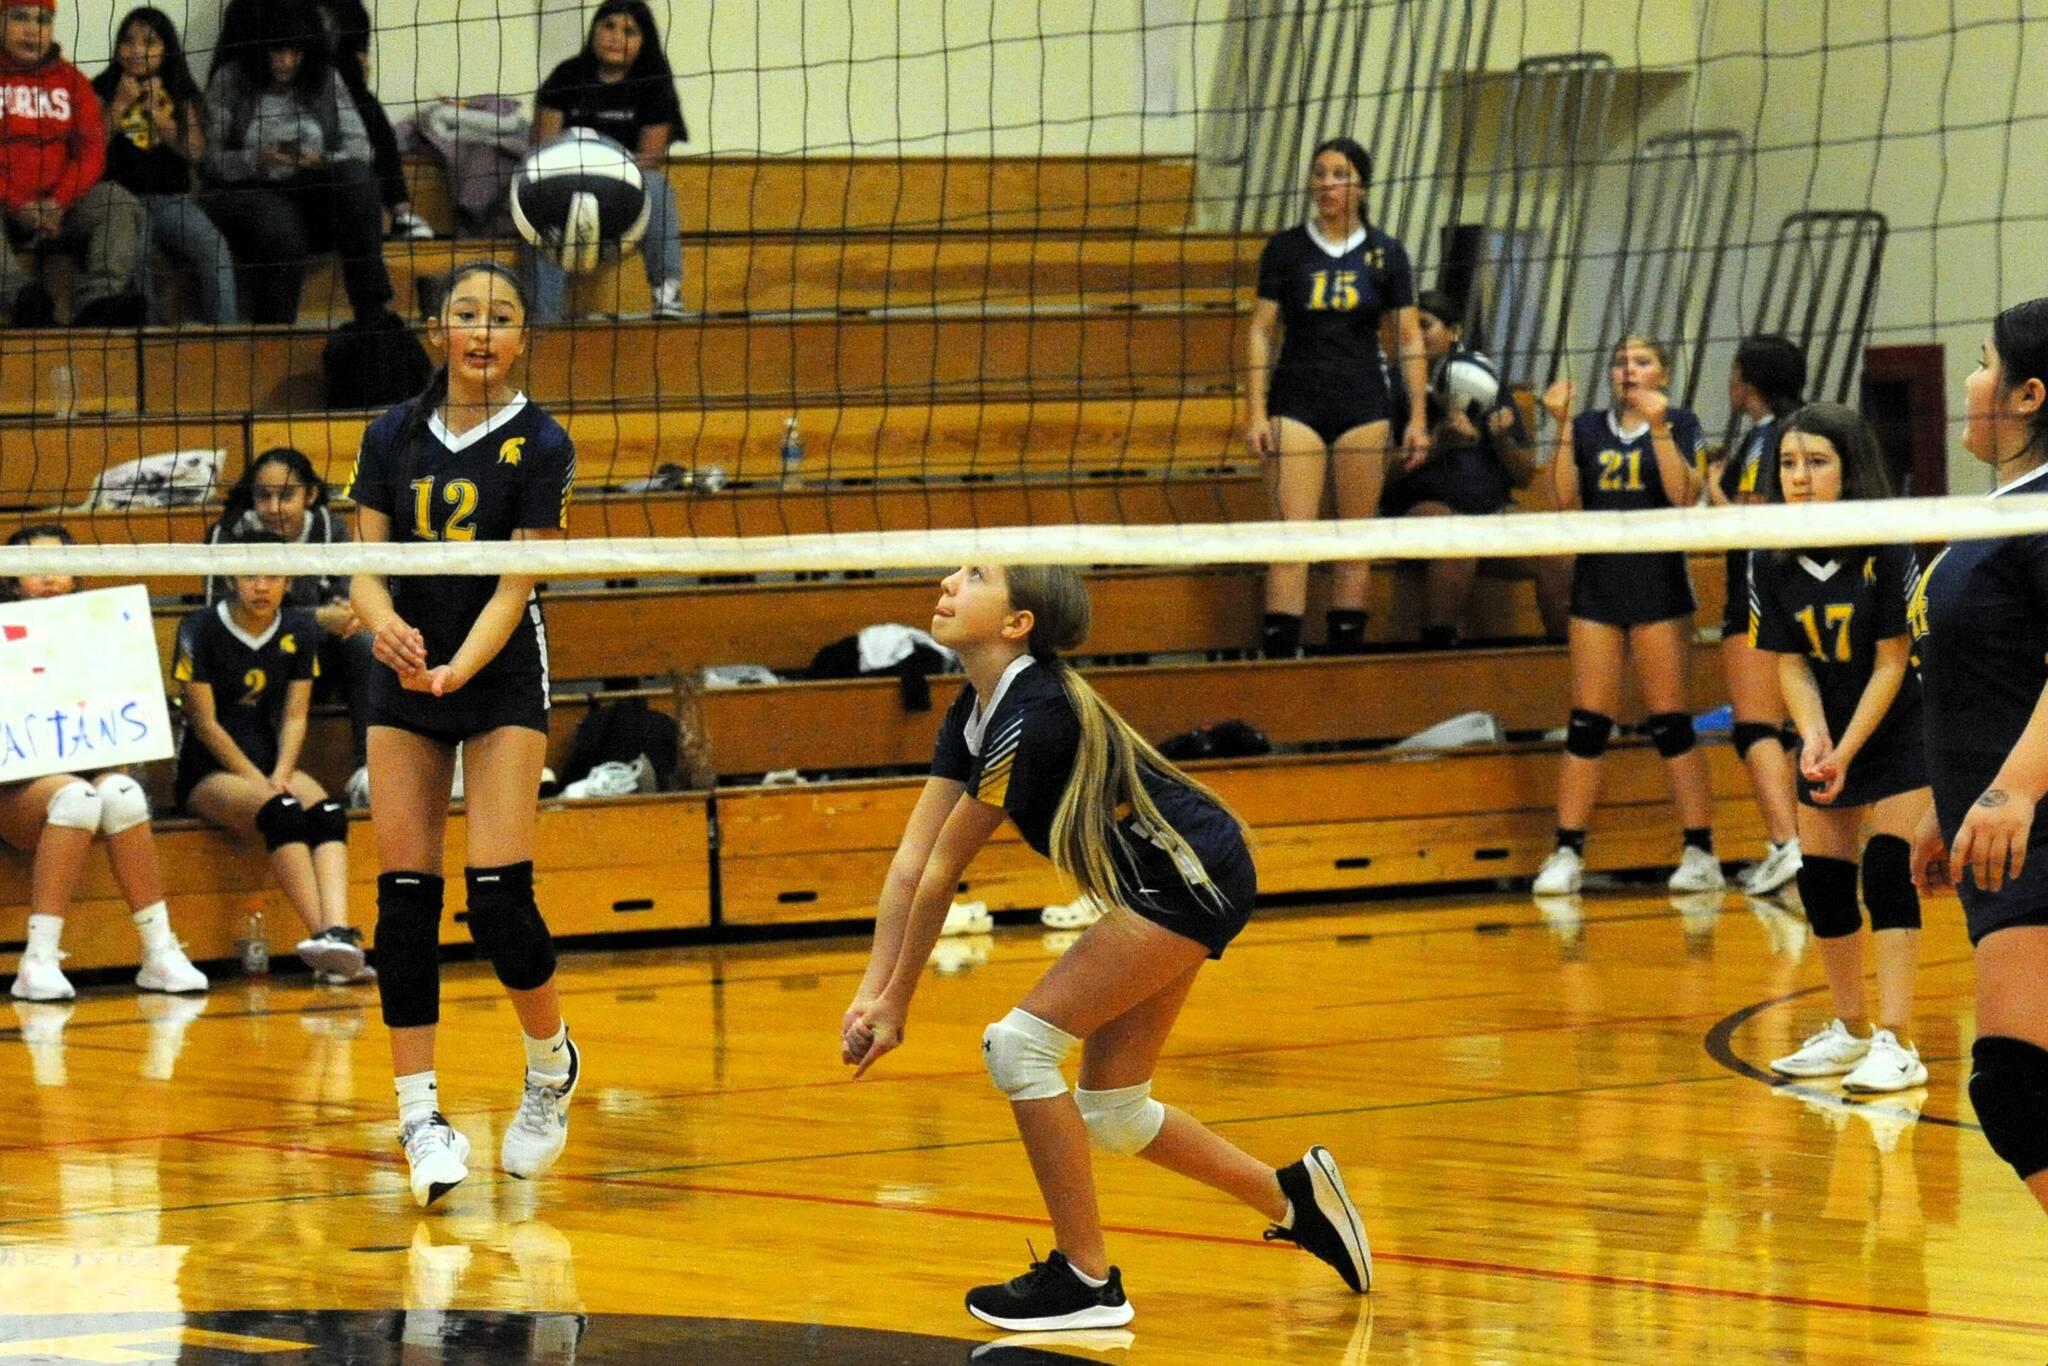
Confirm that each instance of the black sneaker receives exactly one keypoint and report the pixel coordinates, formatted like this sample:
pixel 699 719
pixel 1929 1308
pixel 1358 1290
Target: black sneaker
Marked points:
pixel 1325 1221
pixel 1051 1296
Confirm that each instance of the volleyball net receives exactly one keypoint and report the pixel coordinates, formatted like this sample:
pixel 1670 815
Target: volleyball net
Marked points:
pixel 973 281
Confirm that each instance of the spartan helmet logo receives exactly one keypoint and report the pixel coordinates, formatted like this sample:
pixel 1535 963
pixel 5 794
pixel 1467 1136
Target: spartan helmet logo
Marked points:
pixel 508 454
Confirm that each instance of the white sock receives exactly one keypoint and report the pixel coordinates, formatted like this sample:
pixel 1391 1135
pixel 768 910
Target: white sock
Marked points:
pixel 43 933
pixel 419 1096
pixel 153 922
pixel 549 1056
pixel 1084 1278
pixel 1287 1219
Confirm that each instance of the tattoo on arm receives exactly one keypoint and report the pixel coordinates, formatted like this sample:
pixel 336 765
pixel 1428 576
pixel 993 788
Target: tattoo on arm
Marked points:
pixel 1995 797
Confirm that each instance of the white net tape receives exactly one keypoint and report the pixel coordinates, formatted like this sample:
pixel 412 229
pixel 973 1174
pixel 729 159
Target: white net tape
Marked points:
pixel 1757 527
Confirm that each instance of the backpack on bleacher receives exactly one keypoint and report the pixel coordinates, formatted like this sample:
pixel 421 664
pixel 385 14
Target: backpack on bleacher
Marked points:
pixel 620 732
pixel 374 363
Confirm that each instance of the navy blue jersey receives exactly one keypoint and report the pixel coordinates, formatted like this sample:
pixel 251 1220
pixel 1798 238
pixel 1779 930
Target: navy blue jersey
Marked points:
pixel 1617 471
pixel 509 474
pixel 1979 616
pixel 1833 613
pixel 1743 474
pixel 1332 296
pixel 1021 756
pixel 249 675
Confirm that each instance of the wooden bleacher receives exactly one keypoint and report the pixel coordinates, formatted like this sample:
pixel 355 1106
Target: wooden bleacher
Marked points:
pixel 1010 341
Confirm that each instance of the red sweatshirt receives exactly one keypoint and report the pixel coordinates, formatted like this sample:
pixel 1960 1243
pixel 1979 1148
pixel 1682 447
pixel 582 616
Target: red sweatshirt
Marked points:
pixel 52 142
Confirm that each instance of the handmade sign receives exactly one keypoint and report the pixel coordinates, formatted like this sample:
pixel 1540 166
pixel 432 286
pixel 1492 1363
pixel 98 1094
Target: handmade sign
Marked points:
pixel 80 686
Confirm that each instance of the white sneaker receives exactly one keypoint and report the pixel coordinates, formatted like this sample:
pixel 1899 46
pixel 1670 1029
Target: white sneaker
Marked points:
pixel 537 1134
pixel 1698 871
pixel 614 779
pixel 338 949
pixel 968 917
pixel 668 301
pixel 409 226
pixel 169 969
pixel 1774 870
pixel 1887 1066
pixel 356 791
pixel 1832 1052
pixel 1077 914
pixel 437 1155
pixel 39 978
pixel 1560 873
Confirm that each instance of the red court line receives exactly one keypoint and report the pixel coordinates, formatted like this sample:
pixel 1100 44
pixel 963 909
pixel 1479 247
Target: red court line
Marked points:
pixel 1404 1258
pixel 892 1078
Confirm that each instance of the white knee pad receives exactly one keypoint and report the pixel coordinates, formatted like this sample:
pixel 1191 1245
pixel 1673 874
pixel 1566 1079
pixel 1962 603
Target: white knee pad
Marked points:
pixel 1023 1055
pixel 123 804
pixel 1122 1121
pixel 76 806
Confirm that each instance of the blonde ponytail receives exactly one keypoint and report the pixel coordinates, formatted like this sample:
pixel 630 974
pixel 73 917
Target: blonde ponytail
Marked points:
pixel 1107 784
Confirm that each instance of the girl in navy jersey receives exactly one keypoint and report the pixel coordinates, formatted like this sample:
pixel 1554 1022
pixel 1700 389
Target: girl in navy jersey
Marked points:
pixel 1031 741
pixel 1979 616
pixel 1764 386
pixel 245 669
pixel 54 819
pixel 1334 294
pixel 1834 623
pixel 1637 454
pixel 464 663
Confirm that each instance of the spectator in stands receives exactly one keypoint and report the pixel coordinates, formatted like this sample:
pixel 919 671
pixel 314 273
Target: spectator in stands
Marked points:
pixel 55 818
pixel 281 493
pixel 1633 456
pixel 52 157
pixel 245 671
pixel 620 85
pixel 156 135
pixel 1335 293
pixel 1764 386
pixel 1472 467
pixel 348 39
pixel 289 161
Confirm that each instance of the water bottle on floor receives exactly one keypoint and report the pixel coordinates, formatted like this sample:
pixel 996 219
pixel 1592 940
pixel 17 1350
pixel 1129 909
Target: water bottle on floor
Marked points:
pixel 255 947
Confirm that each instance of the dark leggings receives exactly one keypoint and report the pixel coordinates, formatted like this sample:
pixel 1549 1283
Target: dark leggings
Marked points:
pixel 384 158
pixel 276 226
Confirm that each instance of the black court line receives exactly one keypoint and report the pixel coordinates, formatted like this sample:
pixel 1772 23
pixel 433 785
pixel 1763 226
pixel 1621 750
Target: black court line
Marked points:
pixel 1720 1045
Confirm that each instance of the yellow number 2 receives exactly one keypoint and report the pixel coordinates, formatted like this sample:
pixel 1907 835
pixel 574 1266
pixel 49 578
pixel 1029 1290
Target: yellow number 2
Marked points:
pixel 253 684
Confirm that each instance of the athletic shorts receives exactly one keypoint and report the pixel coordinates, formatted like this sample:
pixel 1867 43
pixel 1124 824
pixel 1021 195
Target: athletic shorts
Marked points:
pixel 196 762
pixel 1885 768
pixel 483 706
pixel 1631 590
pixel 1331 406
pixel 1464 479
pixel 1166 900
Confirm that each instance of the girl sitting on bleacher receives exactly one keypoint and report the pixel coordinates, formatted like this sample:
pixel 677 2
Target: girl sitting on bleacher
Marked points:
pixel 281 492
pixel 54 819
pixel 245 671
pixel 1029 740
pixel 289 162
pixel 156 136
pixel 620 86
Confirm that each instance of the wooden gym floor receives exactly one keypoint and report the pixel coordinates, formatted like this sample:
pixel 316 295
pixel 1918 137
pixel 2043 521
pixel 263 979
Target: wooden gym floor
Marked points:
pixel 1556 1130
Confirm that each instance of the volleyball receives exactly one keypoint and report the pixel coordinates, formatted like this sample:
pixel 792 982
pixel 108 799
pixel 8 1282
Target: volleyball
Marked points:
pixel 578 199
pixel 1467 383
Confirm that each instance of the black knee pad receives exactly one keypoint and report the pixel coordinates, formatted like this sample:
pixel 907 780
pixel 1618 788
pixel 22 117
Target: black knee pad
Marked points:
pixel 1827 886
pixel 1751 733
pixel 1888 888
pixel 281 821
pixel 1586 734
pixel 506 925
pixel 1671 732
pixel 408 943
pixel 2009 1087
pixel 326 823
